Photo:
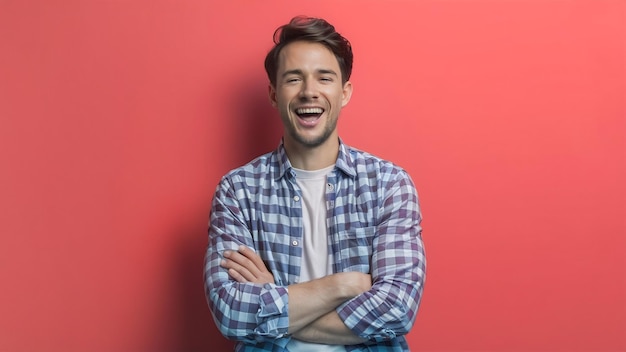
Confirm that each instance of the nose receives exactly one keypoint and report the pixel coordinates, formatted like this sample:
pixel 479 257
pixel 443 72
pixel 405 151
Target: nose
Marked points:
pixel 309 90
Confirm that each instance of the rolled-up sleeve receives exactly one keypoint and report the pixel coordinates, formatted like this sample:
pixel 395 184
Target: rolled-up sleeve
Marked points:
pixel 398 268
pixel 242 311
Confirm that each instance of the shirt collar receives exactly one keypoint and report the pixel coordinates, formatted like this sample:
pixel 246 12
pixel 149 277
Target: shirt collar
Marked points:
pixel 345 162
pixel 284 166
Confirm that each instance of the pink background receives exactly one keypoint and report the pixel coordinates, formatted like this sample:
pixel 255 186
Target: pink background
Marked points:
pixel 117 119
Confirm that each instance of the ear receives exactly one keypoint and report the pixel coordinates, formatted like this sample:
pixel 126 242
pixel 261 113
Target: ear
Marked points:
pixel 272 94
pixel 347 93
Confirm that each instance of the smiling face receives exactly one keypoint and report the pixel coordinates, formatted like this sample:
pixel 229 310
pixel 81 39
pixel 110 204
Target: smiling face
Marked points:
pixel 309 94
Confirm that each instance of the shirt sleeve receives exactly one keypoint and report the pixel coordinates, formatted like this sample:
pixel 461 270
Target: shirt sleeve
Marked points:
pixel 398 268
pixel 242 311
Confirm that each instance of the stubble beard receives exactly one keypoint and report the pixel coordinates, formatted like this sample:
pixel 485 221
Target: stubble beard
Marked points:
pixel 315 141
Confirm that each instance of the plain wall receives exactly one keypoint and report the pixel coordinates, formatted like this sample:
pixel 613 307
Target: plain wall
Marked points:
pixel 117 119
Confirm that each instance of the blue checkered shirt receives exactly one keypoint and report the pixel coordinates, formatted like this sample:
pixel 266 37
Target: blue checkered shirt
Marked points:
pixel 373 227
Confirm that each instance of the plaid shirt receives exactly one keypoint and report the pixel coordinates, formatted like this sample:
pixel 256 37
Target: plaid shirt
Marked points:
pixel 373 227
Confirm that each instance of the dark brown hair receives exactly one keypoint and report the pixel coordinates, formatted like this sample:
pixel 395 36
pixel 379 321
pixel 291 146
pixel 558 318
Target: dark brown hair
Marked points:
pixel 315 30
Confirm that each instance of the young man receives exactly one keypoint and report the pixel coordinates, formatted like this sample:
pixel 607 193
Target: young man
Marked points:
pixel 316 246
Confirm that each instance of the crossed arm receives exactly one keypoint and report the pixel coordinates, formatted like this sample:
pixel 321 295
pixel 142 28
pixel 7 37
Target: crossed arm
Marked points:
pixel 312 304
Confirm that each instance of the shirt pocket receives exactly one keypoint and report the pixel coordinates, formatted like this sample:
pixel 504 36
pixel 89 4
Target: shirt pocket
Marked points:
pixel 356 248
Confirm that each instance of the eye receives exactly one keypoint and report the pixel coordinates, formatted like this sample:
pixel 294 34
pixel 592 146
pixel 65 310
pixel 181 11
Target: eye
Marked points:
pixel 293 80
pixel 326 79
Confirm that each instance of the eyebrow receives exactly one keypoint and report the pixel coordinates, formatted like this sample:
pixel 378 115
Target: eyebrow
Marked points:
pixel 319 71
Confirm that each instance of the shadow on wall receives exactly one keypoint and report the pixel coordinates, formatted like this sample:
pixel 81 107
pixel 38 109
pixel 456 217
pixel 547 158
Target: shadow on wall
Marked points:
pixel 197 331
pixel 257 130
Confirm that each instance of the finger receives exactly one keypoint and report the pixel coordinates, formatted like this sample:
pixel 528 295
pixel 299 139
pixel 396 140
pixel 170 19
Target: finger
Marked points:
pixel 253 257
pixel 236 276
pixel 259 270
pixel 236 271
pixel 244 262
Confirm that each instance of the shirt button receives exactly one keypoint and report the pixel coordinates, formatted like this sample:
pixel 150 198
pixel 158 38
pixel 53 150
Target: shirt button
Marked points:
pixel 296 198
pixel 330 187
pixel 294 242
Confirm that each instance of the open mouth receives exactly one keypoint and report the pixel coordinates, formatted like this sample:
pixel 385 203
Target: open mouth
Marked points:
pixel 309 113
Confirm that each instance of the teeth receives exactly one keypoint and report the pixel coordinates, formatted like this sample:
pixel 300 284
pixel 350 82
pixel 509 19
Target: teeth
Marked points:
pixel 309 111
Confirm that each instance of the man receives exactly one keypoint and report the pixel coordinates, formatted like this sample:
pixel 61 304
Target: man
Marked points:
pixel 316 246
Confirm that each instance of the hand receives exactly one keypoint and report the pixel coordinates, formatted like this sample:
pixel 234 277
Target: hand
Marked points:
pixel 244 265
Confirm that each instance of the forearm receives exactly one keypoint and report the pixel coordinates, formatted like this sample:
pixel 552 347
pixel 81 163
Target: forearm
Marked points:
pixel 328 329
pixel 312 300
pixel 305 302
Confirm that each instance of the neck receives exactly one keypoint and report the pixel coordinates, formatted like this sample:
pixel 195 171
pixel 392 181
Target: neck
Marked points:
pixel 312 158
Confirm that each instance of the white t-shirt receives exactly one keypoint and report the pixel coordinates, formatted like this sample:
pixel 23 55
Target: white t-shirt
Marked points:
pixel 316 258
